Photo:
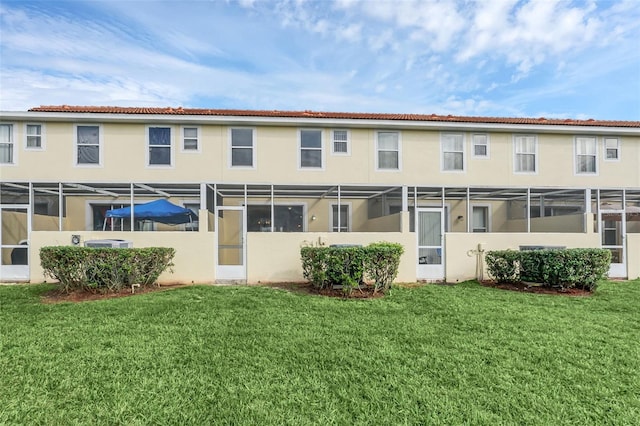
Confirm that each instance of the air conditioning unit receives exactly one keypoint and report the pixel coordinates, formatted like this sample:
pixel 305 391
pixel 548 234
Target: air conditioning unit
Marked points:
pixel 109 244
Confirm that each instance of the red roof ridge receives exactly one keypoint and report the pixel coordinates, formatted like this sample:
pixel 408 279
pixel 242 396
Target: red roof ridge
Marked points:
pixel 329 115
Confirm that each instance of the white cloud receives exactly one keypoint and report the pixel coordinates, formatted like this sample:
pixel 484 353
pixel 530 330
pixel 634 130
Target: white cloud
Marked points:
pixel 453 57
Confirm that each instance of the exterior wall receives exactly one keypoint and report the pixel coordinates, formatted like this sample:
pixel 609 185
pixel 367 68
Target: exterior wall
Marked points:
pixel 633 256
pixel 566 223
pixel 274 257
pixel 194 261
pixel 195 251
pixel 461 262
pixel 124 147
pixel 389 223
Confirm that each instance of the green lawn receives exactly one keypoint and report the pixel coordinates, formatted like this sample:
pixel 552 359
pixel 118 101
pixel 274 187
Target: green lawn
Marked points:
pixel 461 354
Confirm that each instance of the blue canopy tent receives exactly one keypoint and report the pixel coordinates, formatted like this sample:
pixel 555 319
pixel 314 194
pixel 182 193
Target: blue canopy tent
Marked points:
pixel 161 211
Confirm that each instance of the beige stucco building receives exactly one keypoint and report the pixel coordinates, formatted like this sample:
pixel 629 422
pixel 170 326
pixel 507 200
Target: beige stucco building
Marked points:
pixel 264 183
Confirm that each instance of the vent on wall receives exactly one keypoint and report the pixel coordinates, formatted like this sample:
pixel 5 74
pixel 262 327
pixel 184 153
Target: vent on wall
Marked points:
pixel 108 244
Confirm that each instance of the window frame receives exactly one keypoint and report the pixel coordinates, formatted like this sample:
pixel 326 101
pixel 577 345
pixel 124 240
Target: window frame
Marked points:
pixel 333 142
pixel 230 148
pixel 536 164
pixel 604 148
pixel 170 146
pixel 100 162
pixel 487 208
pixel 332 216
pixel 321 149
pixel 576 172
pixel 12 143
pixel 442 152
pixel 377 150
pixel 197 138
pixel 42 137
pixel 487 145
pixel 272 224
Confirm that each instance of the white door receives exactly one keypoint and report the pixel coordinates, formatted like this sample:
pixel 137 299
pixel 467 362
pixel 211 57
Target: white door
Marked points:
pixel 430 233
pixel 612 232
pixel 230 240
pixel 15 229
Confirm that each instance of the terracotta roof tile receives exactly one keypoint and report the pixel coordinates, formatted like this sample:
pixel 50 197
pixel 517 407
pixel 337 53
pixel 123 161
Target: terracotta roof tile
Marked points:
pixel 331 115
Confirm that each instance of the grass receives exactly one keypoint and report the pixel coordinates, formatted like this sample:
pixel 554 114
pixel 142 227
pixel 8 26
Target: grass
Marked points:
pixel 461 354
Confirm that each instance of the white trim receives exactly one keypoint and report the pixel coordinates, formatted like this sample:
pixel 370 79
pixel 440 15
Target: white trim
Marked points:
pixel 254 148
pixel 322 150
pixel 198 140
pixel 349 216
pixel 575 156
pixel 430 271
pixel 42 146
pixel 487 137
pixel 514 154
pixel 330 122
pixel 604 149
pixel 342 154
pixel 12 133
pixel 488 218
pixel 231 272
pixel 100 146
pixel 464 152
pixel 375 151
pixel 172 160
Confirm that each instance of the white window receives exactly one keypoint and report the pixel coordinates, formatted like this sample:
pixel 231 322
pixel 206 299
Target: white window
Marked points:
pixel 340 143
pixel 191 139
pixel 243 153
pixel 611 149
pixel 88 146
pixel 6 144
pixel 388 150
pixel 341 222
pixel 480 144
pixel 525 154
pixel 159 143
pixel 34 136
pixel 311 149
pixel 452 152
pixel 586 158
pixel 480 218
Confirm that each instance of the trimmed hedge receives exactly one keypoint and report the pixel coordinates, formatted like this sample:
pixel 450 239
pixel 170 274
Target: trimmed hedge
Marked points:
pixel 104 269
pixel 325 267
pixel 567 268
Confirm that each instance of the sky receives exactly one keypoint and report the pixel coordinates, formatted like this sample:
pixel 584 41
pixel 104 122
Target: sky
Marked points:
pixel 508 58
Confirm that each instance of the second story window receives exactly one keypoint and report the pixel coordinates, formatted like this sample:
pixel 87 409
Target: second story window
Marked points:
pixel 388 151
pixel 525 153
pixel 480 144
pixel 452 152
pixel 33 134
pixel 88 145
pixel 311 149
pixel 340 142
pixel 159 140
pixel 242 148
pixel 6 144
pixel 190 139
pixel 586 159
pixel 612 149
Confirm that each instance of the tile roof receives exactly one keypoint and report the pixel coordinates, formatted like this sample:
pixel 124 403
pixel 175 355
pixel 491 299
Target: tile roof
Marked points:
pixel 331 115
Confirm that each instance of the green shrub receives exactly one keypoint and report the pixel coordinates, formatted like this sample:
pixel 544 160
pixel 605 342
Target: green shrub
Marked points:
pixel 325 267
pixel 381 264
pixel 567 268
pixel 503 265
pixel 104 269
